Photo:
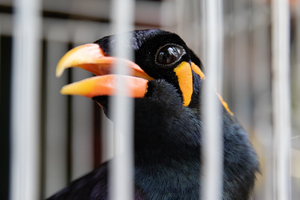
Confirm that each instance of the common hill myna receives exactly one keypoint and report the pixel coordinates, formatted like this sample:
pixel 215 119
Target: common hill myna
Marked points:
pixel 166 84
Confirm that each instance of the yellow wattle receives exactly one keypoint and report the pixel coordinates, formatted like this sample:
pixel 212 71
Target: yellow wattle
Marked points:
pixel 197 70
pixel 225 104
pixel 185 79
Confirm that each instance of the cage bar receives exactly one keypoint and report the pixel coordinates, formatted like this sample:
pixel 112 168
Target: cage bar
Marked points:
pixel 212 137
pixel 281 97
pixel 121 175
pixel 25 121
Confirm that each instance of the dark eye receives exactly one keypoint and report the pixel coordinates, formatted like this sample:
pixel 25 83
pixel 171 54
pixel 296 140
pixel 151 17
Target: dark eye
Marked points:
pixel 169 54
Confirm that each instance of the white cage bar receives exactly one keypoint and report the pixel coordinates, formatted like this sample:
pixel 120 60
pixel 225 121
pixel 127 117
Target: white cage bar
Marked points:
pixel 212 135
pixel 121 173
pixel 281 97
pixel 25 121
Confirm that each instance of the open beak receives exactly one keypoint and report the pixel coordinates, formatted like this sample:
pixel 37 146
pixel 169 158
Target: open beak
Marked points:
pixel 91 57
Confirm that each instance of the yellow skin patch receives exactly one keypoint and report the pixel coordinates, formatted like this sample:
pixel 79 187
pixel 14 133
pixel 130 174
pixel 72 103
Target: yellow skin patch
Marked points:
pixel 185 78
pixel 197 70
pixel 225 104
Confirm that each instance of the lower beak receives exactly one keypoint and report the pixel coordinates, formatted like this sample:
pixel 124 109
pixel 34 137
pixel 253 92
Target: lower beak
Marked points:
pixel 91 57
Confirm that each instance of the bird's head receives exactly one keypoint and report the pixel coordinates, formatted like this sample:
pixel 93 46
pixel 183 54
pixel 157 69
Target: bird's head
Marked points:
pixel 159 55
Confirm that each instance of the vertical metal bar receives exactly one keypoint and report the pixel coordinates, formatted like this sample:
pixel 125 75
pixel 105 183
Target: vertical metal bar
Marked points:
pixel 220 47
pixel 122 173
pixel 25 121
pixel 56 122
pixel 295 75
pixel 281 96
pixel 213 145
pixel 204 31
pixel 295 91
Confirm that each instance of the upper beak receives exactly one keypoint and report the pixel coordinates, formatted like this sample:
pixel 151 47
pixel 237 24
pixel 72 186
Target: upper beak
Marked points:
pixel 92 58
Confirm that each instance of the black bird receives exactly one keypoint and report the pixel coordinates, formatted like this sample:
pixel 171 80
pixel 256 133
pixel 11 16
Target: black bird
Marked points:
pixel 166 83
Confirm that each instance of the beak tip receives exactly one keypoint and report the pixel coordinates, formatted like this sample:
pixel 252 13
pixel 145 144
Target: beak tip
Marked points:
pixel 59 72
pixel 62 91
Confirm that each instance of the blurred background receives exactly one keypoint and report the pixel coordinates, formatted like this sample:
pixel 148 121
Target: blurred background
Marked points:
pixel 71 140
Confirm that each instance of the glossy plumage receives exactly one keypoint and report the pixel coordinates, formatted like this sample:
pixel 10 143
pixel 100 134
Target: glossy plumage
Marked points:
pixel 168 135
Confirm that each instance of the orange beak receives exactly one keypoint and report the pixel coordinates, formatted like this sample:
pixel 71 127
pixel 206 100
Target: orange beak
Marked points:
pixel 91 57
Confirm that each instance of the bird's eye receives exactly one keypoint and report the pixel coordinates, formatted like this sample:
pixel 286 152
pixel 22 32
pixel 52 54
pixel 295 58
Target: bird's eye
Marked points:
pixel 169 54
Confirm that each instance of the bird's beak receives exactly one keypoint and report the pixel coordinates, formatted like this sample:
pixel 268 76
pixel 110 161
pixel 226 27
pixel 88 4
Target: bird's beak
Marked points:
pixel 92 58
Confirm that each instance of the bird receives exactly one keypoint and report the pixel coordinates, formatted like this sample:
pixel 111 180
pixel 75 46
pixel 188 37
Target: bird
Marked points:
pixel 165 82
